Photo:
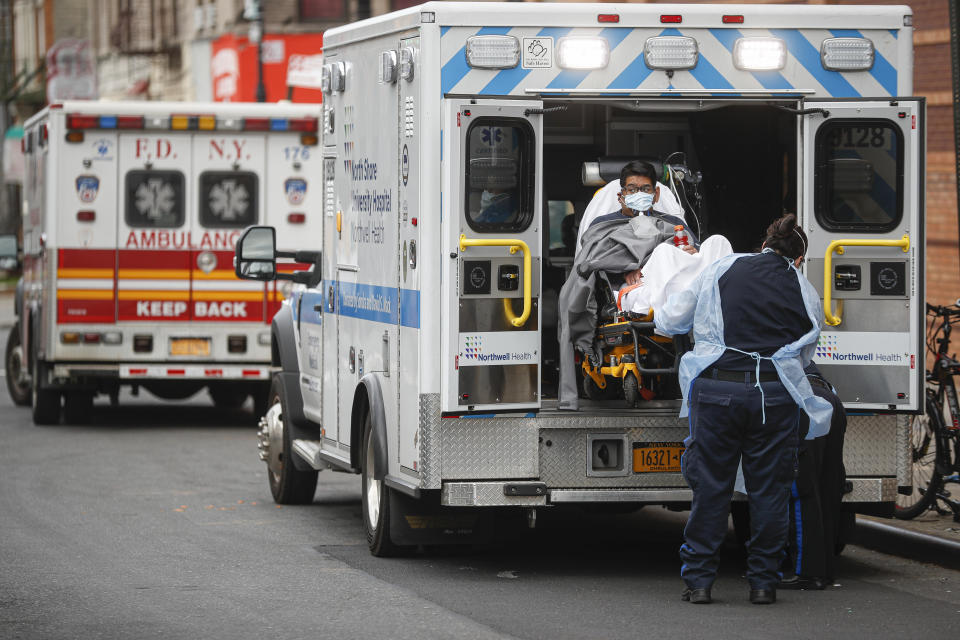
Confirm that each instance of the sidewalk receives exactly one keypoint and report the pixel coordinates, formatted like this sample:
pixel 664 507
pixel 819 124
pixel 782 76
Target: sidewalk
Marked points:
pixel 930 523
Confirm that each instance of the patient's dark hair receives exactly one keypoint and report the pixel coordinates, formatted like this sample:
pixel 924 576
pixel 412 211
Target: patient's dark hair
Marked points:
pixel 786 237
pixel 637 168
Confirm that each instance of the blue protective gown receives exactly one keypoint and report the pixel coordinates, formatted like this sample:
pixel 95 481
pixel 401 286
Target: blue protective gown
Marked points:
pixel 698 307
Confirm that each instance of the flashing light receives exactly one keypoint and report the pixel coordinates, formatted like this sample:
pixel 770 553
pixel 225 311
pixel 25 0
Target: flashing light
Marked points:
pixel 847 54
pixel 759 54
pixel 583 53
pixel 732 19
pixel 608 18
pixel 493 52
pixel 670 52
pixel 671 19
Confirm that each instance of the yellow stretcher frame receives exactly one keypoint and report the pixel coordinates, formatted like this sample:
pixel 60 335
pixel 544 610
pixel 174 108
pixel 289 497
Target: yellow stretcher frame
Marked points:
pixel 831 318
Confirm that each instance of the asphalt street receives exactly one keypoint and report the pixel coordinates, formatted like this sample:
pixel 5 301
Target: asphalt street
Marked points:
pixel 156 521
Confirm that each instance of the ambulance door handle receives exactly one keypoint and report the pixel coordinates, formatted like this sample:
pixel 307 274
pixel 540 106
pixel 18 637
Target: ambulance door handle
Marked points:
pixel 834 319
pixel 515 245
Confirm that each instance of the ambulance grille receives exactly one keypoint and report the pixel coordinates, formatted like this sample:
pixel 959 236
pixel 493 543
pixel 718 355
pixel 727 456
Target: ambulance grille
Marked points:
pixel 408 113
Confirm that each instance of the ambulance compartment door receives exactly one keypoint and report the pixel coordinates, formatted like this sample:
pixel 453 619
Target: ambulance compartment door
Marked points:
pixel 154 222
pixel 490 342
pixel 862 207
pixel 229 169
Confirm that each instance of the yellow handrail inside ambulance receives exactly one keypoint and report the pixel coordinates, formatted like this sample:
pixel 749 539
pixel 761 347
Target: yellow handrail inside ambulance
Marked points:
pixel 834 319
pixel 515 245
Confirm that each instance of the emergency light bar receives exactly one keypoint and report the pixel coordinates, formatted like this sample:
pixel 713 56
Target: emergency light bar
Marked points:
pixel 670 52
pixel 583 53
pixel 493 52
pixel 759 54
pixel 181 122
pixel 847 54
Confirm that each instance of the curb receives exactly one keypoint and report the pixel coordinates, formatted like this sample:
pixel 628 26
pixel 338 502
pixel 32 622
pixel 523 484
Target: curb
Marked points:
pixel 898 541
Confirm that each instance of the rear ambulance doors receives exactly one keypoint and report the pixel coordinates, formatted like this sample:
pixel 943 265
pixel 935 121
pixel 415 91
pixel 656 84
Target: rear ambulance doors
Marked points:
pixel 863 210
pixel 491 333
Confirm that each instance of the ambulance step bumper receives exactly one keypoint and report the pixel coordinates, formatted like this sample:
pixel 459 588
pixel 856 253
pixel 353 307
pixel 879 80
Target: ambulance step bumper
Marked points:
pixel 134 372
pixel 872 490
pixel 558 496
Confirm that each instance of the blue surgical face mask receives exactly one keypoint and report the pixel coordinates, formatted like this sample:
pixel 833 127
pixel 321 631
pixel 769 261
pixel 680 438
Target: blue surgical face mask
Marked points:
pixel 639 201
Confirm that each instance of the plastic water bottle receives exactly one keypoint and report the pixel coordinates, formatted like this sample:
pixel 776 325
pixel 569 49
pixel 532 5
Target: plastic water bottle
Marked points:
pixel 680 237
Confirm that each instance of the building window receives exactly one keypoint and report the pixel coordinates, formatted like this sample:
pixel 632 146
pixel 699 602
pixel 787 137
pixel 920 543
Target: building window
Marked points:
pixel 322 9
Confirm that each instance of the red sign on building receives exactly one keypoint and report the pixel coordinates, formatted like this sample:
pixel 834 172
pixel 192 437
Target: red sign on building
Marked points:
pixel 233 66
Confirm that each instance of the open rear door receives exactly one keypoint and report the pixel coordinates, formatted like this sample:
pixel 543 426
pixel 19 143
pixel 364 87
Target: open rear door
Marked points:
pixel 491 280
pixel 863 209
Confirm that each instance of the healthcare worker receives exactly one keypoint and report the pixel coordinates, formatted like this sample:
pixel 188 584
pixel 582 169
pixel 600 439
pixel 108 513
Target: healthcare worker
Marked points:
pixel 755 321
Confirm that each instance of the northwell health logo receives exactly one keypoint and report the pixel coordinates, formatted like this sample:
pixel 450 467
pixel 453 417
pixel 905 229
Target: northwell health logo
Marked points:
pixel 827 350
pixel 826 346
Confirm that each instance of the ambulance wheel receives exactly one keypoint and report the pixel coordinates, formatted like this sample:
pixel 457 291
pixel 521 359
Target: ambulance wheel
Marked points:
pixel 77 407
pixel 226 398
pixel 46 402
pixel 376 502
pixel 288 484
pixel 17 384
pixel 631 390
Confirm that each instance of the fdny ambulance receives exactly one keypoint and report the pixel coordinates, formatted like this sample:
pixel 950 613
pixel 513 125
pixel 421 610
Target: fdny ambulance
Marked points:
pixel 461 144
pixel 131 212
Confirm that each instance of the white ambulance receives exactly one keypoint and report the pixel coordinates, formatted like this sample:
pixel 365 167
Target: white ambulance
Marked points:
pixel 131 212
pixel 428 359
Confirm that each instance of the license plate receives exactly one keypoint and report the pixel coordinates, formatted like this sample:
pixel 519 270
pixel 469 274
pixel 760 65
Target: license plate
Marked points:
pixel 653 457
pixel 190 346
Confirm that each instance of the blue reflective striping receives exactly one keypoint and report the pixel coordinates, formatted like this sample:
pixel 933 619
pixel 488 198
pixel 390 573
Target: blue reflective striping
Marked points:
pixel 443 31
pixel 615 35
pixel 809 57
pixel 568 79
pixel 895 33
pixel 457 68
pixel 882 70
pixel 530 415
pixel 768 79
pixel 633 76
pixel 410 308
pixel 505 81
pixel 704 73
pixel 479 415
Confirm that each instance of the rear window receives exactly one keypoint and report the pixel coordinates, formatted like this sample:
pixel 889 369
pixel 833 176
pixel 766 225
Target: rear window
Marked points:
pixel 228 198
pixel 499 175
pixel 154 198
pixel 859 175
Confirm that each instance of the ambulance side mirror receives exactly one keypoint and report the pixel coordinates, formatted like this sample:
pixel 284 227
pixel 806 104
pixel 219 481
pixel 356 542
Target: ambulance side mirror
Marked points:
pixel 255 257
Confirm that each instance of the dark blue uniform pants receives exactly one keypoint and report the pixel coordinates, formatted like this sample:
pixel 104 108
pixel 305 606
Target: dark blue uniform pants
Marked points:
pixel 726 423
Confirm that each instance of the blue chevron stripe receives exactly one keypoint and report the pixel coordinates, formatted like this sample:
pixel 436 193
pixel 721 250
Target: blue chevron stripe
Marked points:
pixel 571 79
pixel 882 70
pixel 768 79
pixel 704 73
pixel 809 57
pixel 457 68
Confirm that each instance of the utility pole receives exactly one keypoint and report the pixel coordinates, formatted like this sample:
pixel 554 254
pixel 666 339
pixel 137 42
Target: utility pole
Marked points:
pixel 955 69
pixel 252 11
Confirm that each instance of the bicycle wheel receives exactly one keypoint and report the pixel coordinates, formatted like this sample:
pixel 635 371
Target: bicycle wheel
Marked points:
pixel 924 448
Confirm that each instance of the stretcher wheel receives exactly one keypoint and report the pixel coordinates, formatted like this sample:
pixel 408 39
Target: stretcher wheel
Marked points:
pixel 631 390
pixel 592 391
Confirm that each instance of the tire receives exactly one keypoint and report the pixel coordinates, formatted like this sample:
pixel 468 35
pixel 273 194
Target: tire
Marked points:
pixel 376 502
pixel 924 446
pixel 77 407
pixel 592 391
pixel 226 398
pixel 45 402
pixel 14 364
pixel 288 484
pixel 631 390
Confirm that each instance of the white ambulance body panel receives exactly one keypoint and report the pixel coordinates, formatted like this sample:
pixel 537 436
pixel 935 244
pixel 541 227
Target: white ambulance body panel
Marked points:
pixel 419 287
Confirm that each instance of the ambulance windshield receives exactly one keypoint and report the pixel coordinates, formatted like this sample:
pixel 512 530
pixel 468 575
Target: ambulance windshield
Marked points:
pixel 859 167
pixel 499 175
pixel 154 198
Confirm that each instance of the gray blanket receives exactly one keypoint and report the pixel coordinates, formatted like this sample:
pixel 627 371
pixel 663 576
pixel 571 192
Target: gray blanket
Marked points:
pixel 614 246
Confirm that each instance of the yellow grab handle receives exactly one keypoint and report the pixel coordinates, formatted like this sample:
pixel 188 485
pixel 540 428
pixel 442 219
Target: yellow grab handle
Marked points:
pixel 515 245
pixel 837 247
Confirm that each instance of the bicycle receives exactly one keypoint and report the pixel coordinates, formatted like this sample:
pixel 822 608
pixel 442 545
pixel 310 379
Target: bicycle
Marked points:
pixel 935 436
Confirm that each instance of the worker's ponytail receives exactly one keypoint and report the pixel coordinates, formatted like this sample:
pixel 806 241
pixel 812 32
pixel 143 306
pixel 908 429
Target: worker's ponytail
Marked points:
pixel 786 237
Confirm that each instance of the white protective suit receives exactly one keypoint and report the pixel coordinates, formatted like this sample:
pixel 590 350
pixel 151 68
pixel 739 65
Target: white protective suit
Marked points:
pixel 605 201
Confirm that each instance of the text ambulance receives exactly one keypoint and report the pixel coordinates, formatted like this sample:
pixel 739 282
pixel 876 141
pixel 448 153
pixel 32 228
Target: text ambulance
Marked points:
pixel 131 213
pixel 456 137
